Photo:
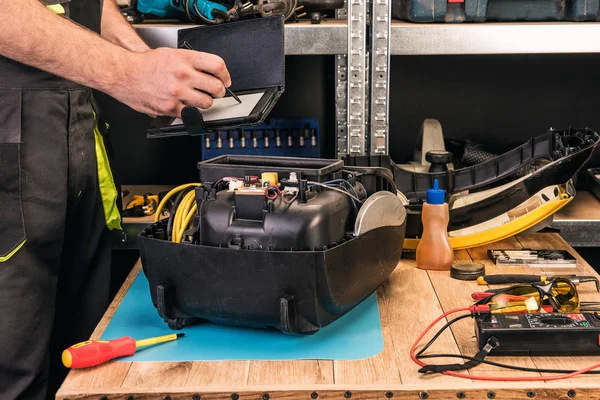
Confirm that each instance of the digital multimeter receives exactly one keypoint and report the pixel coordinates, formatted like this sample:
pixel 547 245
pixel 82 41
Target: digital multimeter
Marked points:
pixel 540 334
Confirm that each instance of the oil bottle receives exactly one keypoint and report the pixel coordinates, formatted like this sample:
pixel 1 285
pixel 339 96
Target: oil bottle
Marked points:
pixel 434 251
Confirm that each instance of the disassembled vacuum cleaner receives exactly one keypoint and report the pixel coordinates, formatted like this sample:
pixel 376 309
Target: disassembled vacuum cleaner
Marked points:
pixel 290 243
pixel 491 197
pixel 295 243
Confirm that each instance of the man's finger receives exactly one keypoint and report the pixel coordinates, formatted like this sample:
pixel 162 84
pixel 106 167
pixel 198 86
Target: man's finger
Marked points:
pixel 213 65
pixel 197 99
pixel 208 84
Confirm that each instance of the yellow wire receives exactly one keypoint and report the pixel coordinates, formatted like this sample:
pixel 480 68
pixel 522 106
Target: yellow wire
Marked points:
pixel 188 220
pixel 171 193
pixel 178 216
pixel 181 215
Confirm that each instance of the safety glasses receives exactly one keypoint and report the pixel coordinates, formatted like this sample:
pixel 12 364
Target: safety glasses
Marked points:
pixel 560 293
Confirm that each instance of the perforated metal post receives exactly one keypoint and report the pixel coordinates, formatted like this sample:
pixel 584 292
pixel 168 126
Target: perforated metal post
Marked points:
pixel 341 94
pixel 380 77
pixel 357 88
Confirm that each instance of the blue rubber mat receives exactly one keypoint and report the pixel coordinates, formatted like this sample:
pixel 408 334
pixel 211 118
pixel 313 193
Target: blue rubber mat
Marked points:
pixel 354 336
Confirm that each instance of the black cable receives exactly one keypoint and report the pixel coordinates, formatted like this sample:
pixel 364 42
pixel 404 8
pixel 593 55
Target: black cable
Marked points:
pixel 442 329
pixel 496 364
pixel 376 172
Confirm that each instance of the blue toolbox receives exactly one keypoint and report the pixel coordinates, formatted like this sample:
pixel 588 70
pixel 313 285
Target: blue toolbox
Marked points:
pixel 291 137
pixel 495 10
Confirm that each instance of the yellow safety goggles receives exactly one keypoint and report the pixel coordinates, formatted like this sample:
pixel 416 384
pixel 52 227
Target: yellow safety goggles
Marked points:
pixel 561 294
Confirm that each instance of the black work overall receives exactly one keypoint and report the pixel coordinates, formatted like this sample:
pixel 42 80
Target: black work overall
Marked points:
pixel 54 240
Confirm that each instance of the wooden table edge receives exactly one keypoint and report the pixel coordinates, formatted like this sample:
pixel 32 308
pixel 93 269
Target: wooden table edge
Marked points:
pixel 512 390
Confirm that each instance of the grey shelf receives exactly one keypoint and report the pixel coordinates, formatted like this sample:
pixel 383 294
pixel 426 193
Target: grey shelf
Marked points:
pixel 302 38
pixel 494 38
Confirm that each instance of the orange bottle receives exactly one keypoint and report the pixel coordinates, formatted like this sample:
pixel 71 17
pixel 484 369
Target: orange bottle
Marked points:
pixel 434 251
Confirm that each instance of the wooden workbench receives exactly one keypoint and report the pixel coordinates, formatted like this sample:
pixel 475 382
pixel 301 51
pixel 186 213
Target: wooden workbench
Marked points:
pixel 409 301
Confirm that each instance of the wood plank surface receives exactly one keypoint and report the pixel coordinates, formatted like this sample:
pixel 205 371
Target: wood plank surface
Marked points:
pixel 409 301
pixel 585 206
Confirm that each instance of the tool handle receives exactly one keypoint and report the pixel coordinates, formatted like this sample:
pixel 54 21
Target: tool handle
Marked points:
pixel 94 352
pixel 481 295
pixel 509 278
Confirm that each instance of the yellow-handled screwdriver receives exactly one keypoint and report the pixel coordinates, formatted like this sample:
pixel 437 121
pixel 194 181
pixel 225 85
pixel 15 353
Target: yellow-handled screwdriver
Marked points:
pixel 95 352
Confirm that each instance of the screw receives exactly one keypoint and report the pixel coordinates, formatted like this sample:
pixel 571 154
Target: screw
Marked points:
pixel 235 396
pixel 196 397
pixel 389 395
pixel 265 396
pixel 314 395
pixel 571 393
pixel 461 395
pixel 423 395
pixel 491 395
pixel 167 397
pixel 103 398
pixel 347 394
pixel 130 398
pixel 531 394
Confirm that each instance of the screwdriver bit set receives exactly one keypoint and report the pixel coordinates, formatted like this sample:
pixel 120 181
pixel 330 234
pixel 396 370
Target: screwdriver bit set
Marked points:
pixel 296 137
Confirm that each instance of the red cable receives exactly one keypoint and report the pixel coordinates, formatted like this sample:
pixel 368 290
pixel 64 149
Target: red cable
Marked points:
pixel 489 378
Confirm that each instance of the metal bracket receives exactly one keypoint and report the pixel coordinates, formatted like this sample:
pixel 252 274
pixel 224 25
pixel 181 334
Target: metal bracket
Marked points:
pixel 380 77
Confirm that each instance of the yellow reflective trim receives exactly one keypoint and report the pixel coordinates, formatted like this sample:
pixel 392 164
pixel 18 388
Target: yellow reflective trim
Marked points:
pixel 56 9
pixel 108 189
pixel 503 231
pixel 12 253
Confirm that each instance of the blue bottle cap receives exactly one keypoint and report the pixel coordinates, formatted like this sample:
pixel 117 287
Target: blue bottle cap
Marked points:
pixel 436 195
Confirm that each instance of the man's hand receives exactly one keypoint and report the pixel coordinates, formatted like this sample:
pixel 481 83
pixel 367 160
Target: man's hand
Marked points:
pixel 163 81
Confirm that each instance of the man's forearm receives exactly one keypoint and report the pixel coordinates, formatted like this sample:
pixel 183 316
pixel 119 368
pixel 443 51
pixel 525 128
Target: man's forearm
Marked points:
pixel 159 82
pixel 33 35
pixel 118 31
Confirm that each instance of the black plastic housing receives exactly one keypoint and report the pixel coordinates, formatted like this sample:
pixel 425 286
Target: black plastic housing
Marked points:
pixel 566 151
pixel 553 145
pixel 251 222
pixel 294 291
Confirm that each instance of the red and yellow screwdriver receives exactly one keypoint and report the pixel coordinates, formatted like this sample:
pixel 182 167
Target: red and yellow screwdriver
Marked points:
pixel 95 352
